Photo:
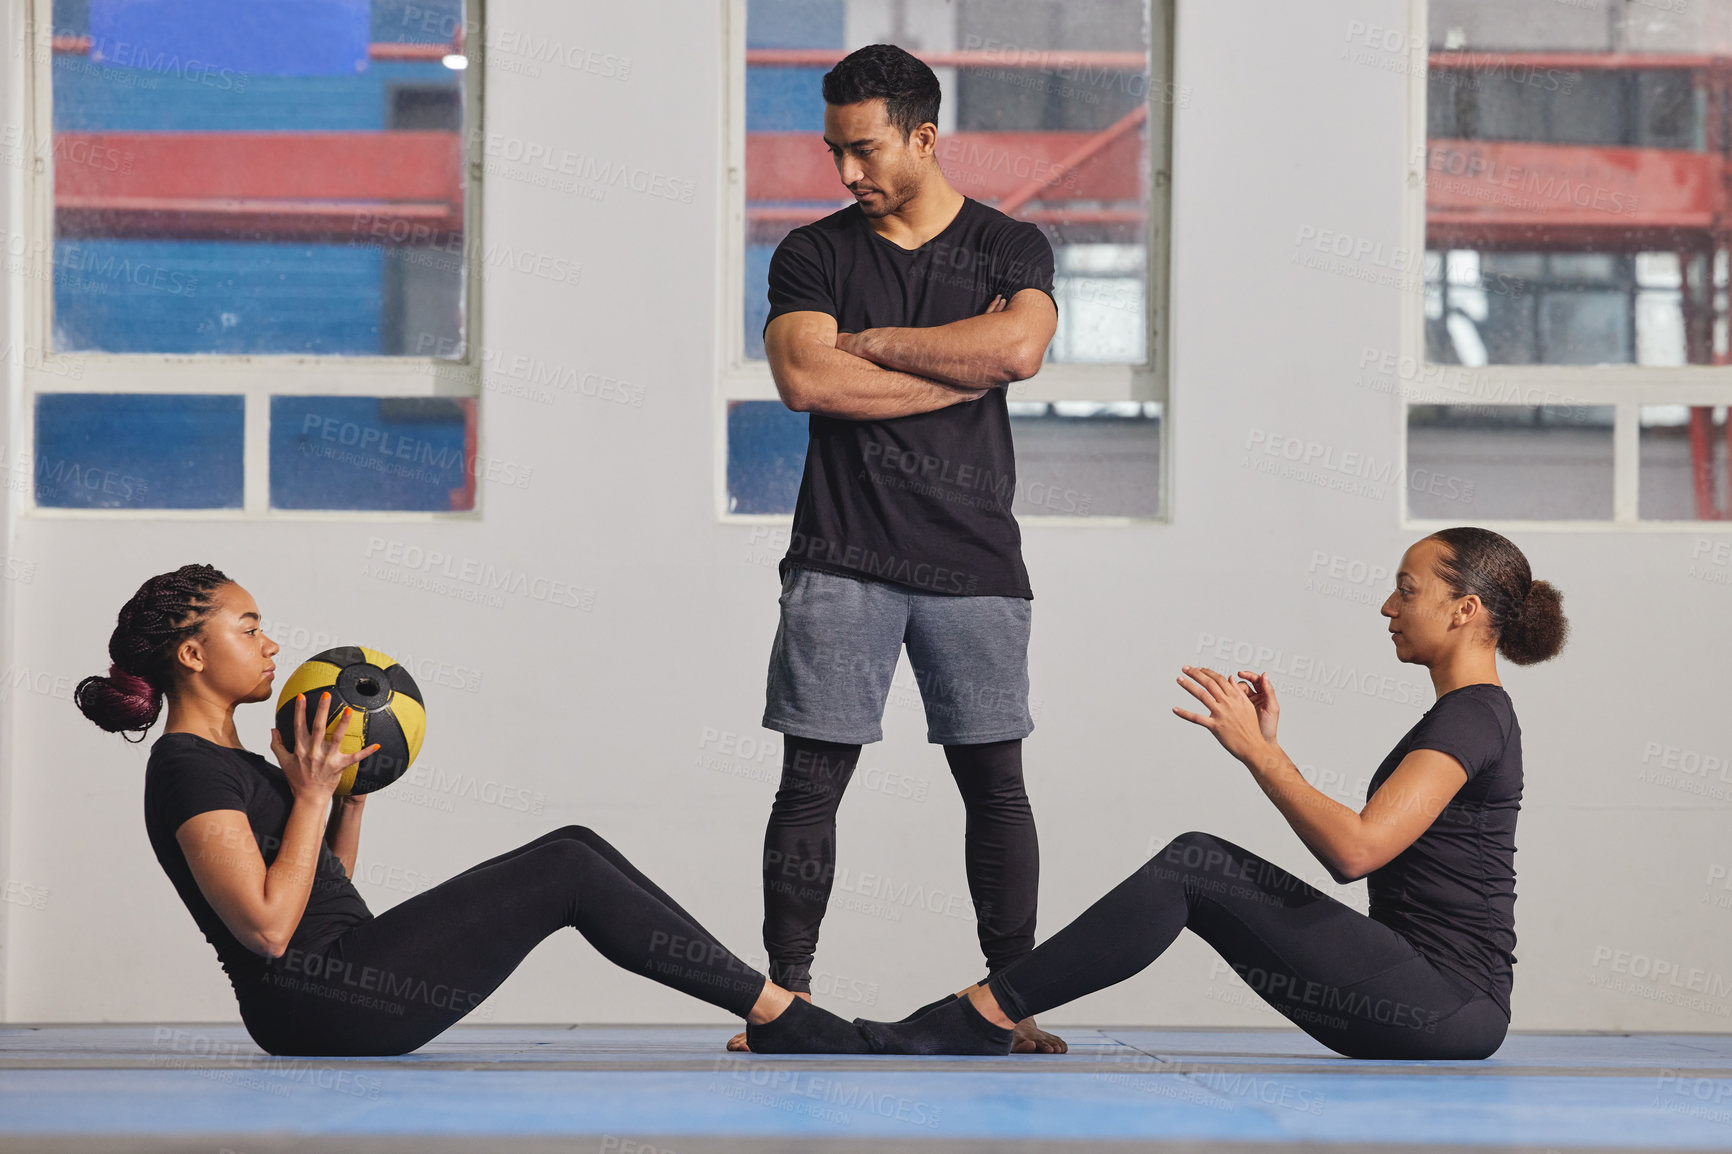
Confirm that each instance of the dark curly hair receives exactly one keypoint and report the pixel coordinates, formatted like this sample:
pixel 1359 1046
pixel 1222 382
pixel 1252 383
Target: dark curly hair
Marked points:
pixel 165 611
pixel 885 72
pixel 1526 616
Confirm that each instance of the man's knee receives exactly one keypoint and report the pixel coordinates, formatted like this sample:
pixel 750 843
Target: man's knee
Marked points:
pixel 989 775
pixel 1006 800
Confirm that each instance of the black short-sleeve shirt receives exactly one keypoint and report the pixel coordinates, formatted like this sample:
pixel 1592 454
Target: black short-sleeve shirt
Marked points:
pixel 1452 892
pixel 188 775
pixel 922 501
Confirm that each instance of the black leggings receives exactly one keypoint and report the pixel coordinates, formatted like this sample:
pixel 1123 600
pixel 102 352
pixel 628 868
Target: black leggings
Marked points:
pixel 389 985
pixel 1350 982
pixel 1000 850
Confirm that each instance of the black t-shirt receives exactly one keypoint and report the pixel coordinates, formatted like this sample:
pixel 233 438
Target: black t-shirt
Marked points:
pixel 922 501
pixel 1452 892
pixel 188 775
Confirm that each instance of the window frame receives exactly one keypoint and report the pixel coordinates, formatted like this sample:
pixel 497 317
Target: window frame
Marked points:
pixel 255 376
pixel 1626 388
pixel 740 379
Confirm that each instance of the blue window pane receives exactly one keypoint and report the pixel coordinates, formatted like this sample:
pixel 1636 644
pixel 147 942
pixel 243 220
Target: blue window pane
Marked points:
pixel 795 23
pixel 391 453
pixel 766 455
pixel 757 297
pixel 790 99
pixel 71 17
pixel 307 38
pixel 171 296
pixel 139 451
pixel 785 100
pixel 417 21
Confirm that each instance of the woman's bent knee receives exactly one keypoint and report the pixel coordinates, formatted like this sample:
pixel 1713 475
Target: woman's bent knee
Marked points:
pixel 580 833
pixel 1194 850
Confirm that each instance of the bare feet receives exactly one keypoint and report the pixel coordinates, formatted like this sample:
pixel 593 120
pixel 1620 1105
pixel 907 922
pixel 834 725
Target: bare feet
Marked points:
pixel 1029 1038
pixel 767 1001
pixel 1026 1037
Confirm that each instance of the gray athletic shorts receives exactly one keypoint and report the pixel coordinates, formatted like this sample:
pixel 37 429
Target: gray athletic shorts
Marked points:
pixel 838 642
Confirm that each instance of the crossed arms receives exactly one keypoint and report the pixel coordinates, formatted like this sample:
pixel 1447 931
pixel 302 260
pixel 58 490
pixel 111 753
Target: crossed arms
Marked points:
pixel 897 372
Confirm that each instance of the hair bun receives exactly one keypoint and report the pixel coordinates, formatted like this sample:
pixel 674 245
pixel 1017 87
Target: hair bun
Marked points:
pixel 122 702
pixel 131 684
pixel 1538 628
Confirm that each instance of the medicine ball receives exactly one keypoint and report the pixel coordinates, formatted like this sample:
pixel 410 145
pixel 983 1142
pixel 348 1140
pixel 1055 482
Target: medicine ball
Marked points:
pixel 388 712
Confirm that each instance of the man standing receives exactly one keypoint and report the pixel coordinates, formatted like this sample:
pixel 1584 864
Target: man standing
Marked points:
pixel 896 323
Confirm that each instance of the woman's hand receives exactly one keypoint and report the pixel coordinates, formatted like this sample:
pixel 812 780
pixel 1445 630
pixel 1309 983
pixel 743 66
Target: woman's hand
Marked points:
pixel 1261 691
pixel 316 767
pixel 1243 721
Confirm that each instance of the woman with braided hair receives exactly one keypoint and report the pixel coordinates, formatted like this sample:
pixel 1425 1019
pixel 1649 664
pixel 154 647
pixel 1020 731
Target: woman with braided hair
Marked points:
pixel 1427 973
pixel 265 872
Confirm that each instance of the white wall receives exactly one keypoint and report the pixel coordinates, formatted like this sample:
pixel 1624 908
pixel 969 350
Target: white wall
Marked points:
pixel 604 712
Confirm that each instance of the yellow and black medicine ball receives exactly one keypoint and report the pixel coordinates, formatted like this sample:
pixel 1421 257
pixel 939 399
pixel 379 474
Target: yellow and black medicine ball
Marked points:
pixel 388 711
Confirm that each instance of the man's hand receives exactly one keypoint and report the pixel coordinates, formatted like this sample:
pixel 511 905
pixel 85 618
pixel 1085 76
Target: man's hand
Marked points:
pixel 861 343
pixel 814 375
pixel 914 351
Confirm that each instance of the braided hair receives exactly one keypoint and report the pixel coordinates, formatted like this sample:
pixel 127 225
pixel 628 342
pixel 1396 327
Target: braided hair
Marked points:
pixel 166 610
pixel 1526 616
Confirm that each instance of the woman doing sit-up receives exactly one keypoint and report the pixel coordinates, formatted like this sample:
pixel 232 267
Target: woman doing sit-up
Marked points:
pixel 1427 973
pixel 262 858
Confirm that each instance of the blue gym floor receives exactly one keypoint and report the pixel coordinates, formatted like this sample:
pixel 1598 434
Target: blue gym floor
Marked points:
pixel 671 1090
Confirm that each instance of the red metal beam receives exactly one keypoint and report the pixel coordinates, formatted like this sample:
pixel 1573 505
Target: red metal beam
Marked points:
pixel 1494 194
pixel 279 165
pixel 384 223
pixel 378 50
pixel 463 497
pixel 1702 463
pixel 1075 160
pixel 404 50
pixel 378 187
pixel 1573 61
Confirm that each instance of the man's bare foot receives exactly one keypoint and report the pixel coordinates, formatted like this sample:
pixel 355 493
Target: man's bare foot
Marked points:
pixel 737 1043
pixel 1029 1038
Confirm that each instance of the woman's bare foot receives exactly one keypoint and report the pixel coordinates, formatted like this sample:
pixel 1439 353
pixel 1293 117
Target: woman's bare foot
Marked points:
pixel 1026 1037
pixel 768 1008
pixel 1029 1038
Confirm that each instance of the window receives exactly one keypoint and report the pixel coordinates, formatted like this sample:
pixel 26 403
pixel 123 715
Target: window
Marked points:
pixel 255 244
pixel 1574 281
pixel 1054 111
